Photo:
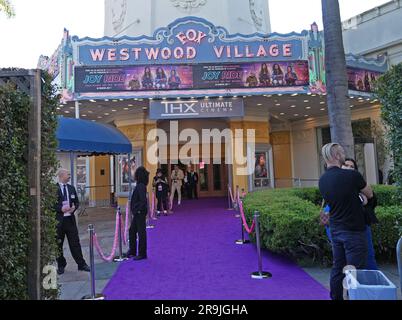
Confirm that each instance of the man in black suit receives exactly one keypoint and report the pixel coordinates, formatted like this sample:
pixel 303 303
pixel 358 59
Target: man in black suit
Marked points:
pixel 67 204
pixel 192 183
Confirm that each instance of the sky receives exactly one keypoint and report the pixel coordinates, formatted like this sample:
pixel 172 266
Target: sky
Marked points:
pixel 38 25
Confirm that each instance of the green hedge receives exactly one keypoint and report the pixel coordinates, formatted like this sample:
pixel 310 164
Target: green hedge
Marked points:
pixel 290 223
pixel 14 200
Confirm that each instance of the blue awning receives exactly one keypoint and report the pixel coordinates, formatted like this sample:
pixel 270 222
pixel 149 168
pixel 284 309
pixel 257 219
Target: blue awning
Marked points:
pixel 75 135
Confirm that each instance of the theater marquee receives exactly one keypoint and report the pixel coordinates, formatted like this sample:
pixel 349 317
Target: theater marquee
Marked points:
pixel 190 41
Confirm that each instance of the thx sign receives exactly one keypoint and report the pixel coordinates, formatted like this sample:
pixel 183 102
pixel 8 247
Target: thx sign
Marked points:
pixel 190 109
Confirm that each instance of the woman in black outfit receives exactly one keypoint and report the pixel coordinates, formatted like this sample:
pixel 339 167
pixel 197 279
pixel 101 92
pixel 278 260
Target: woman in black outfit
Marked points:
pixel 139 210
pixel 161 186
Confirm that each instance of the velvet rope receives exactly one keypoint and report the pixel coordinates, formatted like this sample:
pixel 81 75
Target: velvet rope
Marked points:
pixel 243 217
pixel 115 242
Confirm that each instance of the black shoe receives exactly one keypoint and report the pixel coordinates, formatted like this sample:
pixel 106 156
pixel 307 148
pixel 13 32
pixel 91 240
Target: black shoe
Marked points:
pixel 130 255
pixel 60 270
pixel 140 258
pixel 85 268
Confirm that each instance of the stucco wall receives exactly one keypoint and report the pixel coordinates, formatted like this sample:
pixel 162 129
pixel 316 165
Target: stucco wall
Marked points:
pixel 144 16
pixel 305 158
pixel 375 32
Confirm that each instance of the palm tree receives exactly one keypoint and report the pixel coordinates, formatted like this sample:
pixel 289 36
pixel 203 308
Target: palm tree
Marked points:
pixel 337 81
pixel 6 6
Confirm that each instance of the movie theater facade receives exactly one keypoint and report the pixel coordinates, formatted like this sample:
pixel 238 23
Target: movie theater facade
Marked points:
pixel 194 75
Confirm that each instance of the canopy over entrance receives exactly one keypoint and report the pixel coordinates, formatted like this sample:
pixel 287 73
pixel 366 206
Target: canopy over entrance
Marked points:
pixel 83 136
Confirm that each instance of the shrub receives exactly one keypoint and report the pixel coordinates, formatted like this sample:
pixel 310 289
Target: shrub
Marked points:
pixel 386 195
pixel 290 223
pixel 14 200
pixel 386 233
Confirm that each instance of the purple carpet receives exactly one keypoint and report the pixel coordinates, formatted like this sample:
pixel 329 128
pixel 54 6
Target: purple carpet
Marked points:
pixel 192 255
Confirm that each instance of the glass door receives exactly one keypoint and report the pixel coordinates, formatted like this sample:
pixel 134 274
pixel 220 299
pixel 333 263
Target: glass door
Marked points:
pixel 213 179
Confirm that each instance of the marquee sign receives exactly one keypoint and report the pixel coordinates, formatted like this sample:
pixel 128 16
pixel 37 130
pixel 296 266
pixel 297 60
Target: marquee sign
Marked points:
pixel 192 57
pixel 190 40
pixel 191 77
pixel 190 109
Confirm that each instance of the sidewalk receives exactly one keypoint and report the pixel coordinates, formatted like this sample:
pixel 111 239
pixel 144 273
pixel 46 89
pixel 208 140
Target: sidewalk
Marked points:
pixel 76 284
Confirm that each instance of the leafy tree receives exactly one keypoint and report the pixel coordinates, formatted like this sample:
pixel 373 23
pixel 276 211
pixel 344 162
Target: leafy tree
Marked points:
pixel 6 6
pixel 389 91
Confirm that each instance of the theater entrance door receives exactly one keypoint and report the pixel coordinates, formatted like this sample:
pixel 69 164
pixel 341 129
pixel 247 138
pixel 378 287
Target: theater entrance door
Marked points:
pixel 213 178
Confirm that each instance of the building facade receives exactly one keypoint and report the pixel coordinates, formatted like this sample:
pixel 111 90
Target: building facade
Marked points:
pixel 193 75
pixel 136 18
pixel 376 32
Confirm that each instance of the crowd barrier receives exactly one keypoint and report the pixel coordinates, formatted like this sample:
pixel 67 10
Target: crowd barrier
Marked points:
pixel 122 229
pixel 237 204
pixel 93 295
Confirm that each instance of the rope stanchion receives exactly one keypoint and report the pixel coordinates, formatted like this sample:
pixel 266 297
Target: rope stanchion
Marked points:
pixel 149 215
pixel 170 203
pixel 232 199
pixel 236 206
pixel 121 257
pixel 126 224
pixel 259 274
pixel 152 215
pixel 93 295
pixel 243 240
pixel 115 243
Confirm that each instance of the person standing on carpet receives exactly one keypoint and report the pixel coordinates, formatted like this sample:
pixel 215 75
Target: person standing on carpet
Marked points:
pixel 177 182
pixel 192 183
pixel 139 210
pixel 161 186
pixel 340 190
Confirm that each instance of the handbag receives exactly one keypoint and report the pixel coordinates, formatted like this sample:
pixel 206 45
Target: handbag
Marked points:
pixel 324 217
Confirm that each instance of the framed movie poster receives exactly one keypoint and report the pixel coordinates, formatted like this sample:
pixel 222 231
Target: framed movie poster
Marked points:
pixel 126 168
pixel 261 171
